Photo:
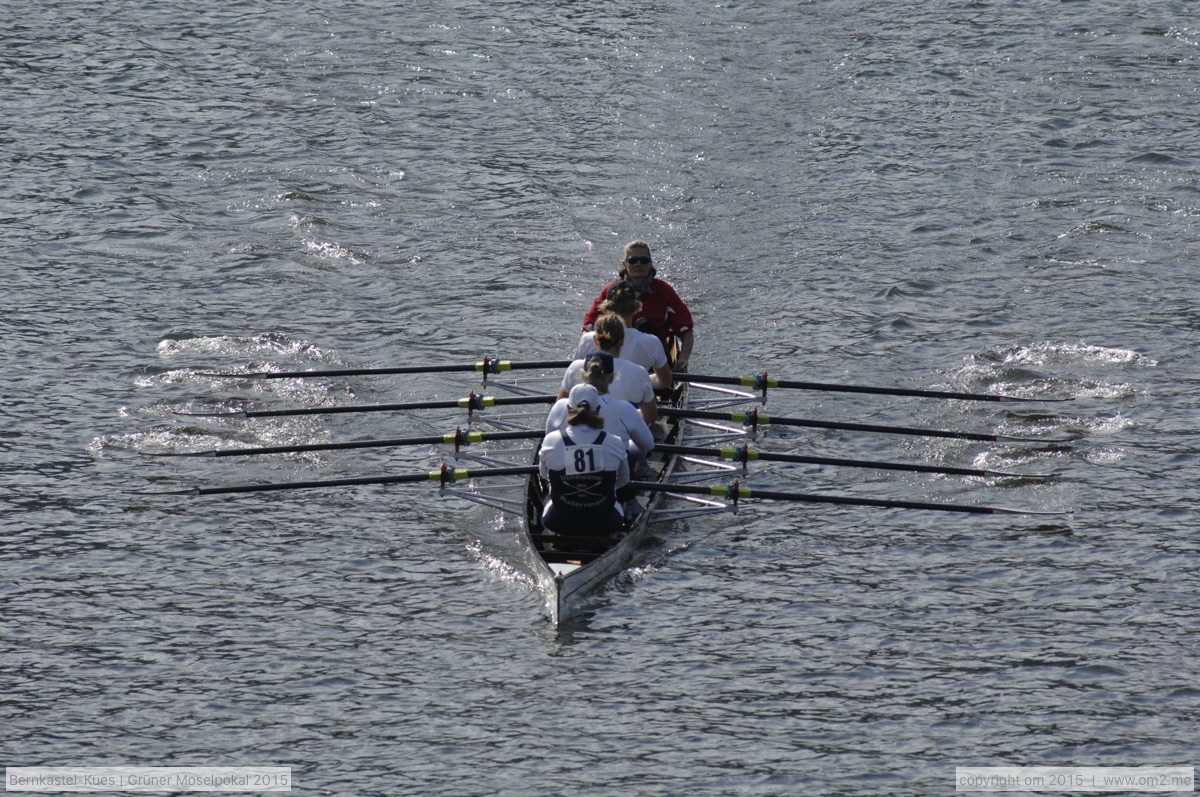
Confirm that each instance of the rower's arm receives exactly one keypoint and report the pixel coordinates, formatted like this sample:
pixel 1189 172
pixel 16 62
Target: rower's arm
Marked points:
pixel 685 350
pixel 662 377
pixel 649 410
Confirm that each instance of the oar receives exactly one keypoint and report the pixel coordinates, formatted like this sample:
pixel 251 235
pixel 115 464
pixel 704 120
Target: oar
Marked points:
pixel 456 438
pixel 763 382
pixel 734 492
pixel 469 403
pixel 445 476
pixel 485 366
pixel 754 418
pixel 744 454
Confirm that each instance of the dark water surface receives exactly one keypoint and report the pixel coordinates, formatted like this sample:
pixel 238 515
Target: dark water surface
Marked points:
pixel 980 196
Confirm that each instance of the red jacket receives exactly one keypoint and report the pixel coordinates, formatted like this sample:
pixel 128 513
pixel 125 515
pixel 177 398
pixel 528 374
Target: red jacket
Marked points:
pixel 661 306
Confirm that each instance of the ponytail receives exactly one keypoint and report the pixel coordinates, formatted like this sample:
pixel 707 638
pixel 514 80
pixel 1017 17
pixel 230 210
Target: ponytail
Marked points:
pixel 610 332
pixel 621 299
pixel 586 415
pixel 597 377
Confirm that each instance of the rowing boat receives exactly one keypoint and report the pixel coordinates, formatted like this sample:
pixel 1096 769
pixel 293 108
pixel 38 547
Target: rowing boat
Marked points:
pixel 568 567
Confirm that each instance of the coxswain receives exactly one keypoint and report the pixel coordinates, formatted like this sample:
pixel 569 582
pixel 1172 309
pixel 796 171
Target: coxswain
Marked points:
pixel 630 381
pixel 585 466
pixel 663 313
pixel 639 347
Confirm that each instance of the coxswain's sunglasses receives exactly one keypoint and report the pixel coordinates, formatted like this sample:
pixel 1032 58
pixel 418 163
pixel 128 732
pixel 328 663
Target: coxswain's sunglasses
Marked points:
pixel 639 261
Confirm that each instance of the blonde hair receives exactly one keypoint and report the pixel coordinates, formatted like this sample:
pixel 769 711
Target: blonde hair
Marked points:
pixel 610 332
pixel 638 244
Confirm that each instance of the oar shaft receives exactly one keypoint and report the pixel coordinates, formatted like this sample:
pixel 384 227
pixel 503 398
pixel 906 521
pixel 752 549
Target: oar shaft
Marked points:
pixel 761 382
pixel 751 454
pixel 473 402
pixel 762 418
pixel 460 438
pixel 731 492
pixel 449 475
pixel 489 366
pixel 480 402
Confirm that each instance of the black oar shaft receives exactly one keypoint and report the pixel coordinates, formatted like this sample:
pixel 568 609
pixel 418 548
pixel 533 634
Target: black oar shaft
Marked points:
pixel 750 454
pixel 733 492
pixel 764 382
pixel 447 475
pixel 485 401
pixel 488 366
pixel 460 438
pixel 761 418
pixel 471 403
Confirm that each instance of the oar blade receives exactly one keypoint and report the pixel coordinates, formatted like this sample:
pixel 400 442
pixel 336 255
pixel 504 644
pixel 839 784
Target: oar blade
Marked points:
pixel 223 414
pixel 208 453
pixel 999 510
pixel 192 491
pixel 1005 438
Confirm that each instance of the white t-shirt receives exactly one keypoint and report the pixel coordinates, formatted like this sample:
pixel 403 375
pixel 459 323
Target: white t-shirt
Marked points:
pixel 620 419
pixel 639 347
pixel 630 383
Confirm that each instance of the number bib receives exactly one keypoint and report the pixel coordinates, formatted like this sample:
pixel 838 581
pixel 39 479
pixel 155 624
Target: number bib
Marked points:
pixel 582 492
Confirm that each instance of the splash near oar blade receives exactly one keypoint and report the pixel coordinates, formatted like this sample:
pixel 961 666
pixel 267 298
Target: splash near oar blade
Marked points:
pixel 487 366
pixel 733 492
pixel 764 382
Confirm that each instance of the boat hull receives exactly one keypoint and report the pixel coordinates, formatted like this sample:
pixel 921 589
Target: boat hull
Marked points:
pixel 567 569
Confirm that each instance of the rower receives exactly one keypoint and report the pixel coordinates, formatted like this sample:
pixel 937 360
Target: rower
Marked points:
pixel 663 313
pixel 620 417
pixel 585 466
pixel 630 381
pixel 639 347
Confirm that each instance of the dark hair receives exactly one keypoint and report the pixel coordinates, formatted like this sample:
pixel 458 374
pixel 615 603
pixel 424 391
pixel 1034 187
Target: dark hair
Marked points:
pixel 595 375
pixel 585 414
pixel 622 299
